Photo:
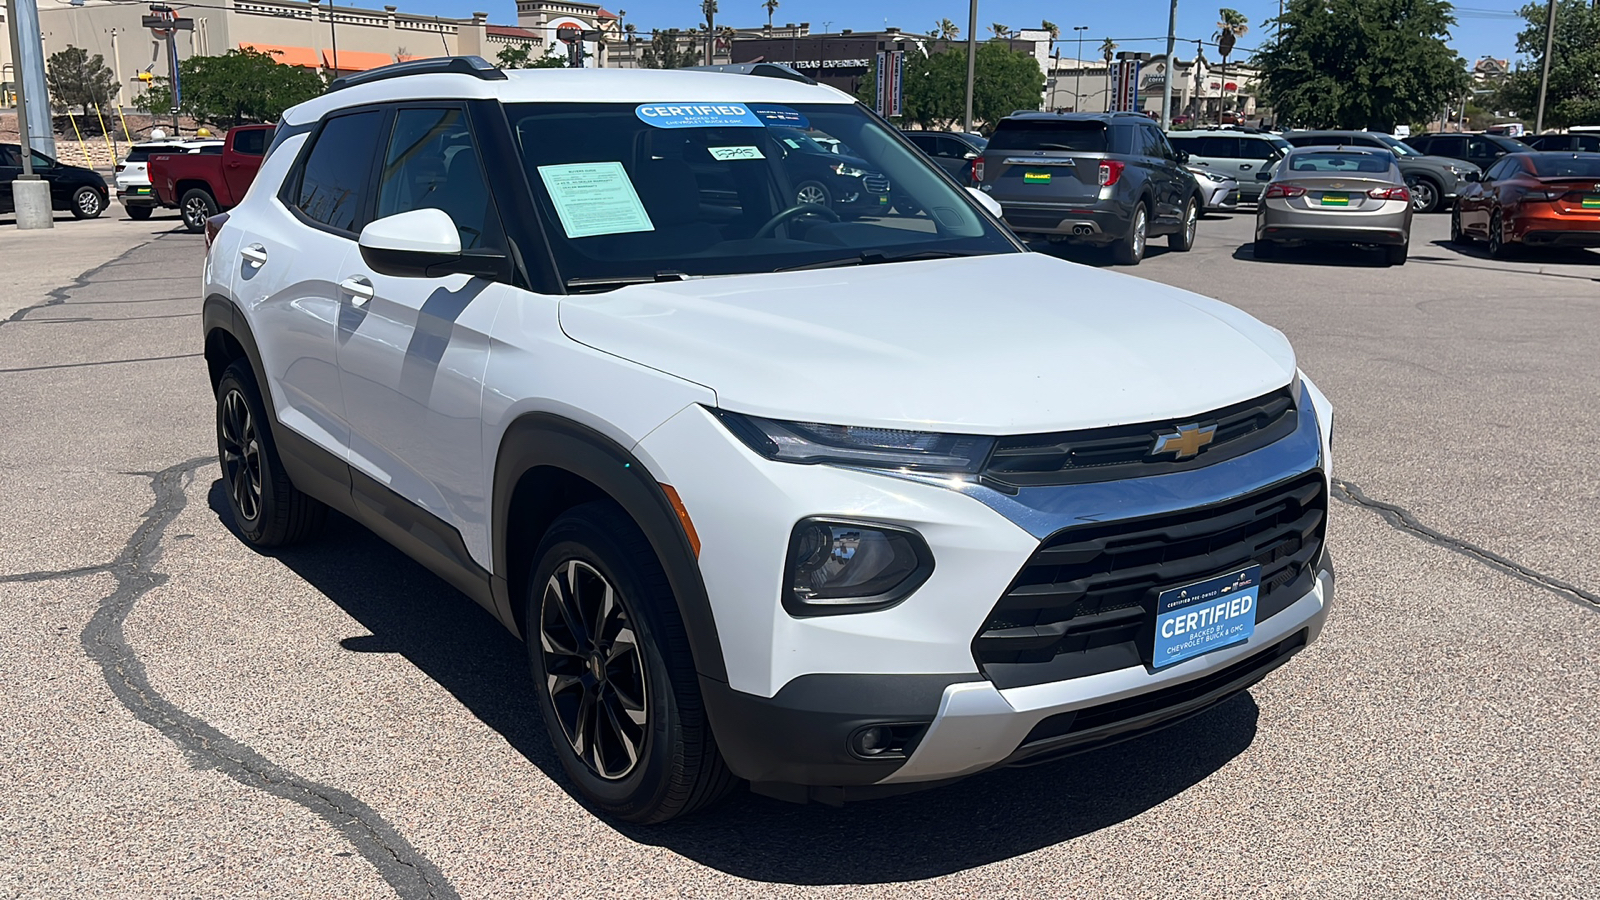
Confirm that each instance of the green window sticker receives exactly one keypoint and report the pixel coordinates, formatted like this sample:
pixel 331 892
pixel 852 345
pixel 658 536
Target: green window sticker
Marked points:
pixel 595 198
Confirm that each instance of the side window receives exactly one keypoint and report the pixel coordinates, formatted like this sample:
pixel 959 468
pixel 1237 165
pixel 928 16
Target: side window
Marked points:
pixel 1482 148
pixel 332 188
pixel 432 163
pixel 1253 149
pixel 1217 147
pixel 1498 171
pixel 9 157
pixel 950 148
pixel 252 142
pixel 1159 146
pixel 927 143
pixel 1589 143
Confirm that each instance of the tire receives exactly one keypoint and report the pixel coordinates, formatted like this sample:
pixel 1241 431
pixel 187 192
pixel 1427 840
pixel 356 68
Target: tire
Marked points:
pixel 87 203
pixel 268 510
pixel 1425 194
pixel 905 206
pixel 1129 250
pixel 1498 248
pixel 139 213
pixel 197 206
pixel 1457 236
pixel 1182 240
pixel 652 757
pixel 1264 249
pixel 1395 255
pixel 813 192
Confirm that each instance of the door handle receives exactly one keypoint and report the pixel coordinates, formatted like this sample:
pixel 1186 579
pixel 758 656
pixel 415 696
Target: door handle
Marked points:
pixel 359 289
pixel 254 254
pixel 1244 166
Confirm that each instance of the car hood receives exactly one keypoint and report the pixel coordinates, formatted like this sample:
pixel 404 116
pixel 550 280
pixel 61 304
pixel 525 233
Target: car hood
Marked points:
pixel 1442 161
pixel 1003 344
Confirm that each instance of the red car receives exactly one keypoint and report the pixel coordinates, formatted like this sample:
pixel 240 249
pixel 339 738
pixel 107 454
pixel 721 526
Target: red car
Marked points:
pixel 1532 199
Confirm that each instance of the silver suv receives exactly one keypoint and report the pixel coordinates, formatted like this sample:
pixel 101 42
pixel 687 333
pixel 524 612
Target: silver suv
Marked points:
pixel 1241 154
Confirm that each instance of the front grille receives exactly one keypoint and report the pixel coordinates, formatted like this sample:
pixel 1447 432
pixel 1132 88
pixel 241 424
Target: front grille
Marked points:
pixel 1085 601
pixel 1124 451
pixel 875 183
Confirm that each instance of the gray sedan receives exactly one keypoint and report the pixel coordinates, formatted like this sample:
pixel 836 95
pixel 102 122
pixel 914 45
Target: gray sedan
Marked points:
pixel 1335 195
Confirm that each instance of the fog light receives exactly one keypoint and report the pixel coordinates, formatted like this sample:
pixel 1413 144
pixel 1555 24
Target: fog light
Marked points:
pixel 844 567
pixel 873 741
pixel 894 741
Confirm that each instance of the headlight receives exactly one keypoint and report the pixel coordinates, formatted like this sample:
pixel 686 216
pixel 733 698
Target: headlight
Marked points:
pixel 1454 170
pixel 847 171
pixel 883 448
pixel 839 567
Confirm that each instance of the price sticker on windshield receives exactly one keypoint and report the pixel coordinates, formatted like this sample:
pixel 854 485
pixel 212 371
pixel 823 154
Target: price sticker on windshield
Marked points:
pixel 726 154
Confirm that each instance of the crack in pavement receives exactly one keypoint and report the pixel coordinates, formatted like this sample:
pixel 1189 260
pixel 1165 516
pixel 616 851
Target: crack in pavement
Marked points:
pixel 59 295
pixel 99 362
pixel 78 572
pixel 1403 520
pixel 410 874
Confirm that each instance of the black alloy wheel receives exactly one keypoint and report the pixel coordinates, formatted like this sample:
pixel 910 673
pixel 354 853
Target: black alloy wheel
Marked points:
pixel 1457 236
pixel 1499 248
pixel 239 447
pixel 1182 240
pixel 594 671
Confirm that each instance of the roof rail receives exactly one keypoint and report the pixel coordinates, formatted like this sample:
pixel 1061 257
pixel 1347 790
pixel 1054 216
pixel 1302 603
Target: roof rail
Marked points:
pixel 475 66
pixel 763 69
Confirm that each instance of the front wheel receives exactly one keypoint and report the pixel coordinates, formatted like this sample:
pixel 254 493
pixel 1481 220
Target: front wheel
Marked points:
pixel 1457 236
pixel 197 206
pixel 1130 250
pixel 611 665
pixel 1425 195
pixel 813 193
pixel 1182 240
pixel 87 203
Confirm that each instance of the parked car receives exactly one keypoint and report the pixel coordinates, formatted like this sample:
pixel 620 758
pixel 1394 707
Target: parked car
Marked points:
pixel 73 189
pixel 133 176
pixel 1434 181
pixel 1479 149
pixel 830 177
pixel 954 152
pixel 1219 191
pixel 1237 152
pixel 1535 199
pixel 1588 142
pixel 1340 195
pixel 1107 179
pixel 838 509
pixel 199 185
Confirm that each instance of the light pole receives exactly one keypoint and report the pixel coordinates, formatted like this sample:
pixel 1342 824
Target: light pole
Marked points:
pixel 1166 83
pixel 1544 73
pixel 1077 86
pixel 972 56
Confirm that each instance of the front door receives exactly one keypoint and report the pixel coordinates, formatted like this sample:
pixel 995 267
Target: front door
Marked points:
pixel 246 146
pixel 412 351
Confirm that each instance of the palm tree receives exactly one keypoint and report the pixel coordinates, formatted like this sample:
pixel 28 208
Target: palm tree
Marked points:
pixel 632 31
pixel 947 30
pixel 1231 25
pixel 771 6
pixel 709 7
pixel 1108 49
pixel 999 30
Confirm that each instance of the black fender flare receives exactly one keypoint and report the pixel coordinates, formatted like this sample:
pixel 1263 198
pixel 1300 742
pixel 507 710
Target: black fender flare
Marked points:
pixel 537 440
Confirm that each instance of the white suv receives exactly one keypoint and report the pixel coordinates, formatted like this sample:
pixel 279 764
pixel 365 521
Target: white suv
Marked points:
pixel 133 175
pixel 837 504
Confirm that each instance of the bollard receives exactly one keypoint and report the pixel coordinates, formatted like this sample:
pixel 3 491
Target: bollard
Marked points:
pixel 31 200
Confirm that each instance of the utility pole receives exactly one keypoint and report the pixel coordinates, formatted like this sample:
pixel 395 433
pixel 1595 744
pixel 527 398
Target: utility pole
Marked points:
pixel 333 33
pixel 1166 83
pixel 30 195
pixel 1544 74
pixel 1077 87
pixel 972 56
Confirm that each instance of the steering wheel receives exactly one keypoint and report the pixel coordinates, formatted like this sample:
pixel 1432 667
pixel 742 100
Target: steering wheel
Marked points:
pixel 795 212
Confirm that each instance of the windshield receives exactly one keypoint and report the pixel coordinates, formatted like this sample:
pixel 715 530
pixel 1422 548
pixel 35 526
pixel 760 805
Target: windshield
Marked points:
pixel 1566 165
pixel 1399 148
pixel 644 191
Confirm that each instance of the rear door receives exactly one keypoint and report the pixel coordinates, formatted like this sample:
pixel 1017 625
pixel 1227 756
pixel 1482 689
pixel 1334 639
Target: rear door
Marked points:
pixel 1215 153
pixel 1046 161
pixel 1167 177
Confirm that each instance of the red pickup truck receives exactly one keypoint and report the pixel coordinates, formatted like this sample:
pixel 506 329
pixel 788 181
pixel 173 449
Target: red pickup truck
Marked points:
pixel 200 185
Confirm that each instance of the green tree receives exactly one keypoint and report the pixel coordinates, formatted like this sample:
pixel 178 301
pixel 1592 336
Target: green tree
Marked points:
pixel 77 79
pixel 1108 49
pixel 666 52
pixel 1360 63
pixel 1574 95
pixel 709 8
pixel 1231 25
pixel 935 86
pixel 238 86
pixel 522 57
pixel 947 30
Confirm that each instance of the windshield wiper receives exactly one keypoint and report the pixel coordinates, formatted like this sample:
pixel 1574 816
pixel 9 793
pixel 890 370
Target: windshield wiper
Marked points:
pixel 873 257
pixel 589 285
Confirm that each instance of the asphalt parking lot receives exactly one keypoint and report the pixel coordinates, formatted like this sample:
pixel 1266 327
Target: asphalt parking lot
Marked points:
pixel 186 717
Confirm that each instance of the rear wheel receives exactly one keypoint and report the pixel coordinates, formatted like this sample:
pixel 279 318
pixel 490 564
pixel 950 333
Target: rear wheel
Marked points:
pixel 139 213
pixel 1425 194
pixel 1182 240
pixel 267 508
pixel 1499 247
pixel 197 206
pixel 1264 249
pixel 87 203
pixel 1395 255
pixel 615 680
pixel 1130 249
pixel 1457 236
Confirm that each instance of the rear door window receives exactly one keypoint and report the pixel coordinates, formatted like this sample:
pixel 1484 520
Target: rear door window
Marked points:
pixel 1219 147
pixel 1050 134
pixel 1251 149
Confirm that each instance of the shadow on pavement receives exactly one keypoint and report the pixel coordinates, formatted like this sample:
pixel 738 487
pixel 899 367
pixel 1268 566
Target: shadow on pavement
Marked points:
pixel 1091 255
pixel 1569 256
pixel 1335 255
pixel 984 819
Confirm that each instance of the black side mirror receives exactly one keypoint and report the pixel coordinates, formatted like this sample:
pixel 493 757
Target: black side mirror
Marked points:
pixel 1263 176
pixel 1183 156
pixel 1474 176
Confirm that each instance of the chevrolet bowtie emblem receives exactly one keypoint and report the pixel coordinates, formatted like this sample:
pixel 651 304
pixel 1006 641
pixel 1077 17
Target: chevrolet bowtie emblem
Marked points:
pixel 1184 441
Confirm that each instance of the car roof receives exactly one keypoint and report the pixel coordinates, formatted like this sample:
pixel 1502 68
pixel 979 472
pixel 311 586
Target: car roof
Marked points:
pixel 1031 115
pixel 1333 148
pixel 573 86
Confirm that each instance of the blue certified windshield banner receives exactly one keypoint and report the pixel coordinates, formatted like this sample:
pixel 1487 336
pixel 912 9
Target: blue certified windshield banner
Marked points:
pixel 696 115
pixel 781 116
pixel 1205 616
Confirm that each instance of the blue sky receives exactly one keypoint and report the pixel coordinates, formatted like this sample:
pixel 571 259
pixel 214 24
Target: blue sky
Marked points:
pixel 1483 28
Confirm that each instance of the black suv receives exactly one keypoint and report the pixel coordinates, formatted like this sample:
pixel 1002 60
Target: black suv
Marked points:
pixel 1435 181
pixel 840 181
pixel 1109 179
pixel 1479 149
pixel 81 191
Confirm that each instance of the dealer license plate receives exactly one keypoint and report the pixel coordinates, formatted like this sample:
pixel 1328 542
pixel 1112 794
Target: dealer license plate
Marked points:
pixel 1205 616
pixel 1591 201
pixel 1335 199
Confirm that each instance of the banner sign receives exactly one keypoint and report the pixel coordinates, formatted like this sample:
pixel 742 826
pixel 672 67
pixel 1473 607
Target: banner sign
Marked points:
pixel 1125 85
pixel 891 79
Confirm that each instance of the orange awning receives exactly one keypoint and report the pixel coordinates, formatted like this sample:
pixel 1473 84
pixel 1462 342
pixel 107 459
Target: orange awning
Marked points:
pixel 289 56
pixel 356 60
